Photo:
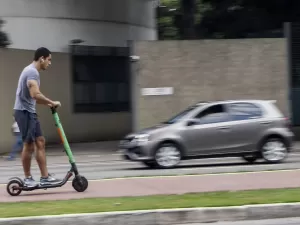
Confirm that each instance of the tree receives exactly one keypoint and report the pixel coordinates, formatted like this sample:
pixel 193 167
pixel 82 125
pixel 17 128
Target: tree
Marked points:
pixel 165 20
pixel 4 40
pixel 188 11
pixel 176 19
pixel 202 19
pixel 246 18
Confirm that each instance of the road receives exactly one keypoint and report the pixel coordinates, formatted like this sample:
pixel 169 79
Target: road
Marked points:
pixel 110 166
pixel 285 221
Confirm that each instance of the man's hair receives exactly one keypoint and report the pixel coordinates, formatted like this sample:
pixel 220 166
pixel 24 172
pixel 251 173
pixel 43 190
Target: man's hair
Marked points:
pixel 41 52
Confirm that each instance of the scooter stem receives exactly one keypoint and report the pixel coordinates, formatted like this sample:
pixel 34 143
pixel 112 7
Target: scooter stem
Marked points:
pixel 62 135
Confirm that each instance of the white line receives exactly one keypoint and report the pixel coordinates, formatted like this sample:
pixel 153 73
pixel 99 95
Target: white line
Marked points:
pixel 8 167
pixel 207 164
pixel 85 155
pixel 194 167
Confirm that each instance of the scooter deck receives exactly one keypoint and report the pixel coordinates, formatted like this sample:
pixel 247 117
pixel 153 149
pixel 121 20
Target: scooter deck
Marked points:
pixel 42 186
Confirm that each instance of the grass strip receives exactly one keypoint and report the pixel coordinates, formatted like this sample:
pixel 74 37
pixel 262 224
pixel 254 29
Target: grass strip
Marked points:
pixel 91 205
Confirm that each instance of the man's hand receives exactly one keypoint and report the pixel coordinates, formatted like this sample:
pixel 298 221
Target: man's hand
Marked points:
pixel 55 104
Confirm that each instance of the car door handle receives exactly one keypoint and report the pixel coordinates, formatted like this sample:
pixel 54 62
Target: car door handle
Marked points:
pixel 223 128
pixel 265 122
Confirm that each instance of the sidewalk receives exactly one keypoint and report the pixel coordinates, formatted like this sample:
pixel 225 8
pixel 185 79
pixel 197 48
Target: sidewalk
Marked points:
pixel 164 185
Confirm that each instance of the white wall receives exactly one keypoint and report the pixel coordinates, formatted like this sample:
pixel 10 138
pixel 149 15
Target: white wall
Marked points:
pixel 34 23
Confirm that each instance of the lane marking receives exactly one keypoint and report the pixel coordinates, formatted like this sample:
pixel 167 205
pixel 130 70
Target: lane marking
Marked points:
pixel 118 162
pixel 8 167
pixel 194 167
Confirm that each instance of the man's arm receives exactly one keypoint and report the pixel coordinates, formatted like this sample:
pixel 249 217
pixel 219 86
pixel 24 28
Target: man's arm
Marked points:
pixel 36 94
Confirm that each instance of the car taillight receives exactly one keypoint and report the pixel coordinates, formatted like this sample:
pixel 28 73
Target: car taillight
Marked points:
pixel 288 123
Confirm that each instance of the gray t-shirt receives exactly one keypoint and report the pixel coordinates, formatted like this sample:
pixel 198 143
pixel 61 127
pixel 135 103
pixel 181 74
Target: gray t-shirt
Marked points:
pixel 23 99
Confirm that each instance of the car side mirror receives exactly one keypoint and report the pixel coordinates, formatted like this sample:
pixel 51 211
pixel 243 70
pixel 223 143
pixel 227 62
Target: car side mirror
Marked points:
pixel 191 122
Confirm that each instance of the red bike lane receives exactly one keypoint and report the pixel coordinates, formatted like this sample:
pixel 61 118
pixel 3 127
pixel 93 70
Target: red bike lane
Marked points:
pixel 144 186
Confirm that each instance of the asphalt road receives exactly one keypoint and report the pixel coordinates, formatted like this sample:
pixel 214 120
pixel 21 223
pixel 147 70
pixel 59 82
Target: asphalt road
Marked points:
pixel 285 221
pixel 96 167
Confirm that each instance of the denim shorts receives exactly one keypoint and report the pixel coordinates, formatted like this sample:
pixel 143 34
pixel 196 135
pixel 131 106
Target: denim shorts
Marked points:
pixel 29 125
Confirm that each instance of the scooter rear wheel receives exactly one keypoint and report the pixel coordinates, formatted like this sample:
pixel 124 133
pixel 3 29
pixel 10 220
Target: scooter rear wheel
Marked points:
pixel 80 183
pixel 14 187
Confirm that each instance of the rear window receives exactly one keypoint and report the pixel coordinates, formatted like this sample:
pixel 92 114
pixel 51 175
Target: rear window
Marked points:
pixel 244 111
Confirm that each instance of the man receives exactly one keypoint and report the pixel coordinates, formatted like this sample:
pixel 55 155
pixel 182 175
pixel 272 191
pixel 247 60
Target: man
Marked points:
pixel 18 145
pixel 27 95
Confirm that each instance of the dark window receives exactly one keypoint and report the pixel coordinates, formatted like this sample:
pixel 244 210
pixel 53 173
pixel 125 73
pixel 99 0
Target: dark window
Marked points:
pixel 213 114
pixel 211 110
pixel 180 115
pixel 244 111
pixel 101 83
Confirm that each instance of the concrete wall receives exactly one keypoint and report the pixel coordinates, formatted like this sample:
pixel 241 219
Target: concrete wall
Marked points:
pixel 198 70
pixel 34 23
pixel 208 70
pixel 55 83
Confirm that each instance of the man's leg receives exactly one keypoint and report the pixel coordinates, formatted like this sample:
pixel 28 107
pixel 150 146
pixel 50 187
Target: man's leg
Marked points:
pixel 41 156
pixel 28 149
pixel 25 125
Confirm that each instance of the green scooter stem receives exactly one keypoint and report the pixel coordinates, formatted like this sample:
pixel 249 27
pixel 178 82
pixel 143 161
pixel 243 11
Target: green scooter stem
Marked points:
pixel 63 136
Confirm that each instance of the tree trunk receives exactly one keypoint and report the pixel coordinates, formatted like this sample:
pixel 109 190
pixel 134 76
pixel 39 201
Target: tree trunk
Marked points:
pixel 188 8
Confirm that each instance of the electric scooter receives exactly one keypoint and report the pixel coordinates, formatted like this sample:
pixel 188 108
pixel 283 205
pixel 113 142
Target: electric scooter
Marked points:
pixel 16 185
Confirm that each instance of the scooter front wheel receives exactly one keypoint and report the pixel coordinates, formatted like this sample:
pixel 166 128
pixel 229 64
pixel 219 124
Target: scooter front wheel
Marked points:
pixel 14 187
pixel 80 183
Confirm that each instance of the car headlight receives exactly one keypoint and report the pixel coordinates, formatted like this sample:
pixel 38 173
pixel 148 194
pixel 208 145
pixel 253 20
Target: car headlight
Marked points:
pixel 141 138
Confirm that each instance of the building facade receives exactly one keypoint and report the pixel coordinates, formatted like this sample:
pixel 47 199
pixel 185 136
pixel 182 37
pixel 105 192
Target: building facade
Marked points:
pixel 102 90
pixel 34 23
pixel 54 24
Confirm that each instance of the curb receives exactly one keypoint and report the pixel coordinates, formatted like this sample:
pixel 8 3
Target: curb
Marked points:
pixel 166 217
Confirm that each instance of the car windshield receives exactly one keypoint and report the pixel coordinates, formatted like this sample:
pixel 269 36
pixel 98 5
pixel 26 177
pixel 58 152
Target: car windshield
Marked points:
pixel 177 117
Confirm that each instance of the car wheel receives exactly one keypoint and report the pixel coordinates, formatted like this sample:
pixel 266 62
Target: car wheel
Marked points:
pixel 150 164
pixel 274 150
pixel 250 158
pixel 168 155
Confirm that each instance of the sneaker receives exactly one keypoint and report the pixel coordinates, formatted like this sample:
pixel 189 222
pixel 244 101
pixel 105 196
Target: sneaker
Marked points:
pixel 29 182
pixel 49 180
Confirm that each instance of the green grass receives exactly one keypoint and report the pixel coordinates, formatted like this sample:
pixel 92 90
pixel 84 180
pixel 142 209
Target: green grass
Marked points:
pixel 91 205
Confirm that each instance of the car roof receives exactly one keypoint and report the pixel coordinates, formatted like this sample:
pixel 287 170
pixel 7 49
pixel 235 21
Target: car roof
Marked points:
pixel 235 101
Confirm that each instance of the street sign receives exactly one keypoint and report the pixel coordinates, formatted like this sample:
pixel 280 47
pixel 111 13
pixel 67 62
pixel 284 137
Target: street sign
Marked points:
pixel 157 91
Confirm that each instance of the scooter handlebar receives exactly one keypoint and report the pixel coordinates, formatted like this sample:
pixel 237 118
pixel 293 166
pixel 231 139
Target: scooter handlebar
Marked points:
pixel 53 109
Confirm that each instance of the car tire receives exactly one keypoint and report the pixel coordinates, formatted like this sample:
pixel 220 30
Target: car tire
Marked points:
pixel 250 158
pixel 150 164
pixel 274 150
pixel 167 155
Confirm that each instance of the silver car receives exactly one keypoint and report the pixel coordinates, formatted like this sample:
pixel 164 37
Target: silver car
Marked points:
pixel 251 129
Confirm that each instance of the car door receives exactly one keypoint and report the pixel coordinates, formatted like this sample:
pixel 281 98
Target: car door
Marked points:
pixel 246 125
pixel 209 131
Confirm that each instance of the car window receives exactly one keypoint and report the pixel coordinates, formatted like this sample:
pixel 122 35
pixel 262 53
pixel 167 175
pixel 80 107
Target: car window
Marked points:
pixel 214 118
pixel 213 114
pixel 244 111
pixel 177 117
pixel 211 110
